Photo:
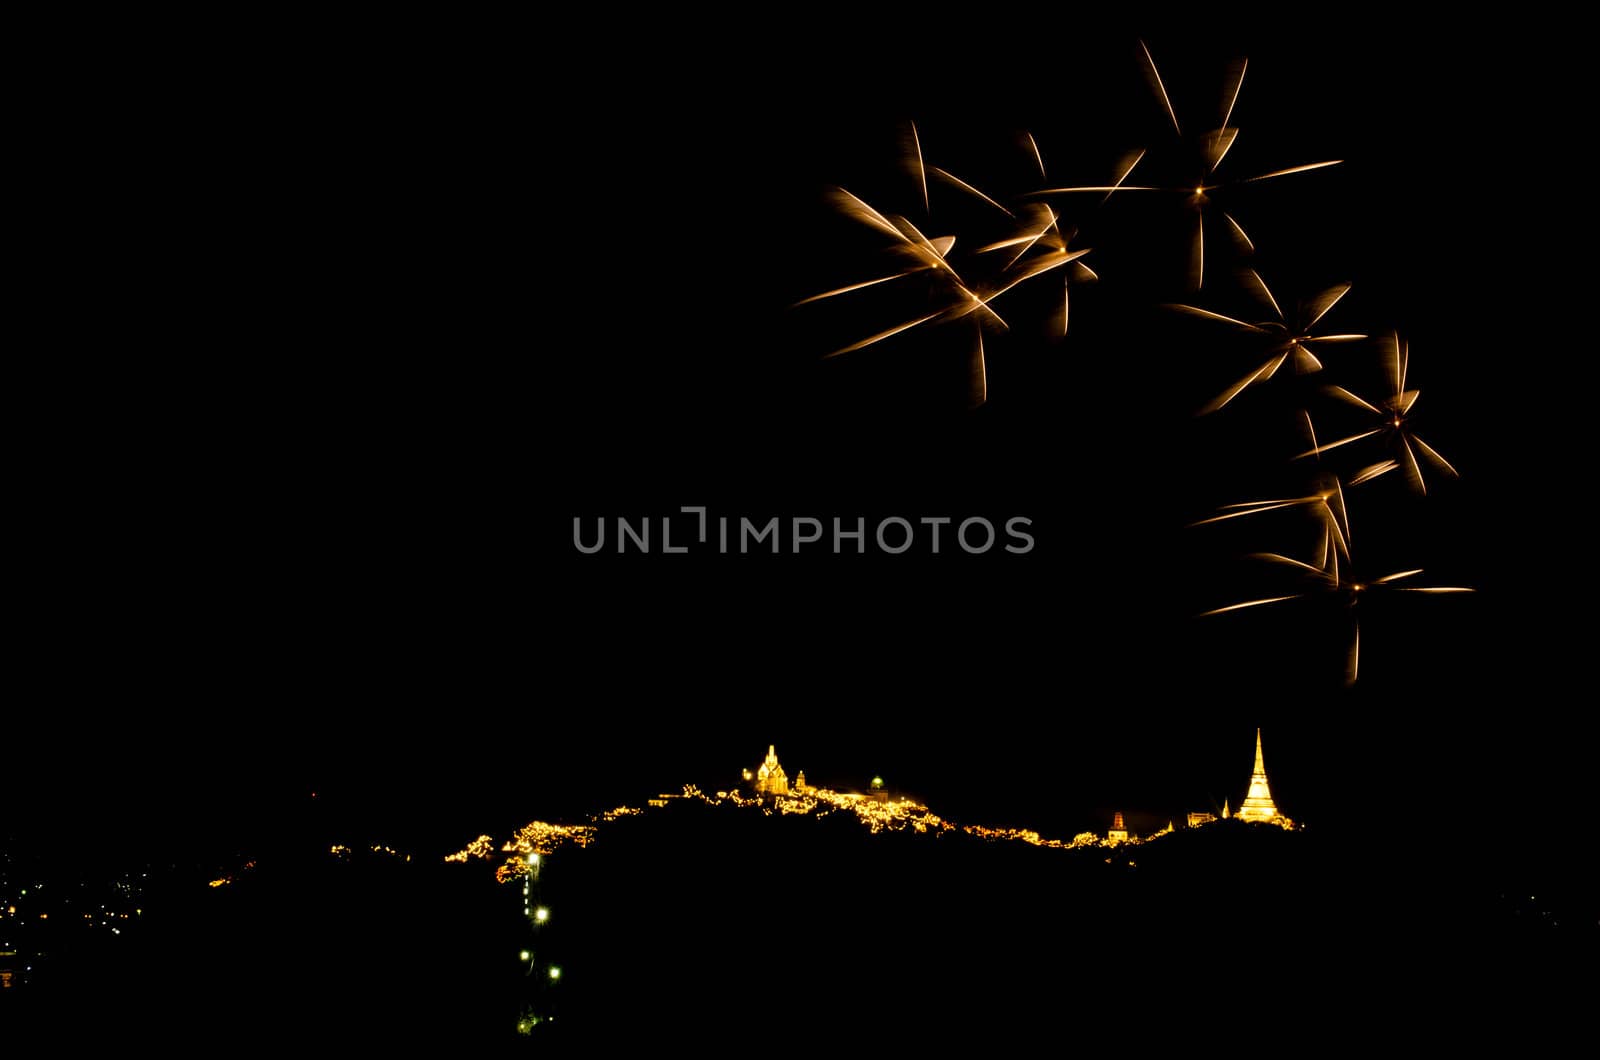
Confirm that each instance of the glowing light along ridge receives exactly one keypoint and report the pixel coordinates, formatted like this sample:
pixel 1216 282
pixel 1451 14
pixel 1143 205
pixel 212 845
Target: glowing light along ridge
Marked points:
pixel 876 814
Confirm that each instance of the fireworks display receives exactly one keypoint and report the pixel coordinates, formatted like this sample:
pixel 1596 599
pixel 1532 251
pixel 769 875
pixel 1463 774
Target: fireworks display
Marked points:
pixel 1287 338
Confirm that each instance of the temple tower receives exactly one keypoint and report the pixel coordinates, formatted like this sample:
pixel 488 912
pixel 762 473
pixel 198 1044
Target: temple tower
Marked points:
pixel 1257 805
pixel 770 778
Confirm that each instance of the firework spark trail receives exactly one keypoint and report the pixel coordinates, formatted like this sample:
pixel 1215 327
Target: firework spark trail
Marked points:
pixel 969 189
pixel 1161 89
pixel 1037 155
pixel 1394 426
pixel 921 168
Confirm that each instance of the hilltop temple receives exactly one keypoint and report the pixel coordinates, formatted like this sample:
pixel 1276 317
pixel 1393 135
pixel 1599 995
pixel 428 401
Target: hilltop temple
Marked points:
pixel 770 778
pixel 1258 805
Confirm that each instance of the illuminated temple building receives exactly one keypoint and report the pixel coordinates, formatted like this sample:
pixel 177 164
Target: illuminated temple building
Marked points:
pixel 770 778
pixel 1118 833
pixel 1257 805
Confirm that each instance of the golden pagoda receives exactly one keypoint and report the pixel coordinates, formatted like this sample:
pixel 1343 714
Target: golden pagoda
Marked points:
pixel 770 778
pixel 1257 805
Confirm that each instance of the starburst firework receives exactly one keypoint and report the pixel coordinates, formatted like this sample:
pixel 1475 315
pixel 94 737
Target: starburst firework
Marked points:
pixel 1291 335
pixel 1327 583
pixel 1199 191
pixel 1394 426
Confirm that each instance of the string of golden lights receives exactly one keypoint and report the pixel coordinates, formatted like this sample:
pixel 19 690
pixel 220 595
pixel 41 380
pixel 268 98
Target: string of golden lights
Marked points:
pixel 524 851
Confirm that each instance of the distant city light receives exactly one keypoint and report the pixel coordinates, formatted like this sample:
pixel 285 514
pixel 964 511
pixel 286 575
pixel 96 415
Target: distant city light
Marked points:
pixel 524 955
pixel 541 914
pixel 555 973
pixel 877 783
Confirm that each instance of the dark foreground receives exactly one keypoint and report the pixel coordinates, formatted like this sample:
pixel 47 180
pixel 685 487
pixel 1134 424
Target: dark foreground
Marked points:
pixel 727 929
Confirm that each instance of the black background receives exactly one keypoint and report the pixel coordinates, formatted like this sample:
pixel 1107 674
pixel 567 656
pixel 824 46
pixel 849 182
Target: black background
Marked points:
pixel 338 330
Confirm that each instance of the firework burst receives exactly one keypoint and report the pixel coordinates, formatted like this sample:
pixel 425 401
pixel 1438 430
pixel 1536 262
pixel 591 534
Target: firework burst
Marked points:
pixel 1044 233
pixel 921 256
pixel 1393 427
pixel 1347 593
pixel 1200 190
pixel 1042 246
pixel 1291 335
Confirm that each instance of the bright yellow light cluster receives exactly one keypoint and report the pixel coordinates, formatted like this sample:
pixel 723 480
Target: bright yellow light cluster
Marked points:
pixel 542 837
pixel 797 804
pixel 480 847
pixel 878 816
pixel 1032 838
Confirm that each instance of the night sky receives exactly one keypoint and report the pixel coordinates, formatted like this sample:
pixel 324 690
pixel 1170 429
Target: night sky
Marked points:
pixel 358 336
